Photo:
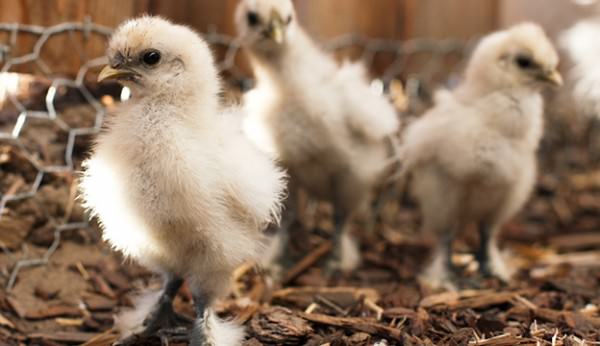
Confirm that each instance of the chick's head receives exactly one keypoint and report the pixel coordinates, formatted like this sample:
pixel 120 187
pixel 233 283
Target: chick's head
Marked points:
pixel 152 55
pixel 265 25
pixel 520 56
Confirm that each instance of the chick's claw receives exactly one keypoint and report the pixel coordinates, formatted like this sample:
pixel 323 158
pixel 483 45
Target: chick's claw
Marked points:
pixel 162 318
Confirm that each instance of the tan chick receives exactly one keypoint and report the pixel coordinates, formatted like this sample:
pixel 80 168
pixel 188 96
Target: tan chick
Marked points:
pixel 322 120
pixel 472 158
pixel 582 44
pixel 175 184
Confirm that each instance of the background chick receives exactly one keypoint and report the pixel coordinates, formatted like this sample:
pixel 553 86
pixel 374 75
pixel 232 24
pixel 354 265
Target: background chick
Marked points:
pixel 472 157
pixel 322 120
pixel 583 49
pixel 173 181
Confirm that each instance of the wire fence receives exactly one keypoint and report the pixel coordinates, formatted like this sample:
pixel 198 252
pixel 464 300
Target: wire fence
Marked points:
pixel 420 65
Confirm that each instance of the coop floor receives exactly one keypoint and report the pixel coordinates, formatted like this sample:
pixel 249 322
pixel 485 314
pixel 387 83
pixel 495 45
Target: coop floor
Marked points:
pixel 72 299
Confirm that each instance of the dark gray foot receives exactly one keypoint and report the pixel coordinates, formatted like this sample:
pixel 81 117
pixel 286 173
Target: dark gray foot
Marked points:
pixel 162 320
pixel 163 315
pixel 201 332
pixel 333 262
pixel 281 260
pixel 441 272
pixel 482 255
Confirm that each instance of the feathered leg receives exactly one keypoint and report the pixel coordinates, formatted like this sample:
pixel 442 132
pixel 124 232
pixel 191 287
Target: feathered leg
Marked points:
pixel 278 258
pixel 209 329
pixel 163 315
pixel 497 265
pixel 201 332
pixel 152 315
pixel 441 272
pixel 345 255
pixel 482 254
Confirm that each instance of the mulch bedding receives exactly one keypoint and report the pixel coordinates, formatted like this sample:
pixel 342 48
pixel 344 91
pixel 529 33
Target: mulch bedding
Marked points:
pixel 73 298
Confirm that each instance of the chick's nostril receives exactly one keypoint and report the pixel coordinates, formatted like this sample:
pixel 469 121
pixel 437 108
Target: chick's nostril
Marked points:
pixel 117 60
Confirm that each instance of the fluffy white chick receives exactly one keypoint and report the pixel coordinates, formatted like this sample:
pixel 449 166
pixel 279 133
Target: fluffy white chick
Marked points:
pixel 173 181
pixel 583 48
pixel 325 124
pixel 472 157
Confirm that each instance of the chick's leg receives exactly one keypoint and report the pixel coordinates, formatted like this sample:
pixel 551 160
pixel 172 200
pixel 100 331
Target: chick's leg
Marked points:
pixel 163 315
pixel 345 255
pixel 209 330
pixel 201 332
pixel 278 258
pixel 482 254
pixel 496 264
pixel 440 272
pixel 349 195
pixel 439 199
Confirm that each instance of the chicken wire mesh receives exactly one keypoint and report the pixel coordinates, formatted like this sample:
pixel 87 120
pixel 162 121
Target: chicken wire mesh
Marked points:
pixel 47 117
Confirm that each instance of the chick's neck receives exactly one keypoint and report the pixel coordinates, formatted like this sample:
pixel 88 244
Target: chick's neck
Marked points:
pixel 186 99
pixel 298 55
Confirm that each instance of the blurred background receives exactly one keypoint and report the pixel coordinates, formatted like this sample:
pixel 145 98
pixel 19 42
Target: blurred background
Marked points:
pixel 323 19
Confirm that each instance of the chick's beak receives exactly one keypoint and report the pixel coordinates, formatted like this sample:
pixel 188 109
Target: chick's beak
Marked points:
pixel 275 29
pixel 109 72
pixel 552 77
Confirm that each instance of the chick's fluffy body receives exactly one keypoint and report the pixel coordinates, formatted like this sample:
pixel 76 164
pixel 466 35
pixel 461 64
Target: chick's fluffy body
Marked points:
pixel 173 180
pixel 583 49
pixel 477 158
pixel 323 121
pixel 472 158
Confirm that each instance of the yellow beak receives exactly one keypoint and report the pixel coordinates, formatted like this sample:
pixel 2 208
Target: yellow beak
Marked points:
pixel 276 26
pixel 113 73
pixel 553 77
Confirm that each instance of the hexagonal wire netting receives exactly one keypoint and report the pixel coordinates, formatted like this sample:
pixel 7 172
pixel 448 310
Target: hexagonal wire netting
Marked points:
pixel 420 64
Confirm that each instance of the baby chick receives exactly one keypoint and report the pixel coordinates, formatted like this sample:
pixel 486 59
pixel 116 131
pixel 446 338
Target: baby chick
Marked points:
pixel 325 124
pixel 583 48
pixel 173 181
pixel 472 157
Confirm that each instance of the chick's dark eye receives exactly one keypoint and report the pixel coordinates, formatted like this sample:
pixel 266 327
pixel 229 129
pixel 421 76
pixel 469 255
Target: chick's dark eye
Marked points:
pixel 288 20
pixel 253 19
pixel 524 62
pixel 151 57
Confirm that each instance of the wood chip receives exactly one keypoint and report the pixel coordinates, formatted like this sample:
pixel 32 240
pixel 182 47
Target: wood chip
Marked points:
pixel 280 326
pixel 81 269
pixel 343 296
pixel 14 230
pixel 471 299
pixel 102 286
pixel 99 303
pixel 588 259
pixel 575 241
pixel 107 338
pixel 6 322
pixel 69 337
pixel 504 340
pixel 69 322
pixel 586 181
pixel 307 262
pixel 53 311
pixel 357 324
pixel 16 307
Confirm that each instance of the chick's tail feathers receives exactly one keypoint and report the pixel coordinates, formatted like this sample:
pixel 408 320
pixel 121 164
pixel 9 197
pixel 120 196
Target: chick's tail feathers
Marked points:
pixel 369 113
